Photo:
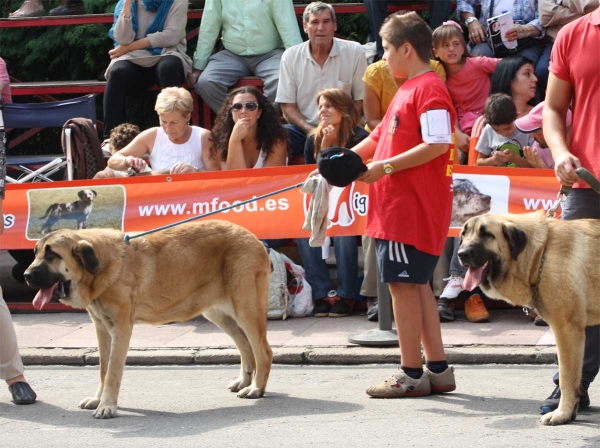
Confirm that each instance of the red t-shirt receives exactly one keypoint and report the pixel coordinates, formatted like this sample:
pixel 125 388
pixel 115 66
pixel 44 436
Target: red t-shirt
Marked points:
pixel 572 61
pixel 412 206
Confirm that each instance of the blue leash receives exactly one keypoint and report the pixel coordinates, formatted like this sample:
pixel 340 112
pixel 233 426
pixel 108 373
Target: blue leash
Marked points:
pixel 128 238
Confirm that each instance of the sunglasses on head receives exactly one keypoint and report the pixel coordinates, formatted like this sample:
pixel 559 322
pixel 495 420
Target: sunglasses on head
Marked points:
pixel 250 105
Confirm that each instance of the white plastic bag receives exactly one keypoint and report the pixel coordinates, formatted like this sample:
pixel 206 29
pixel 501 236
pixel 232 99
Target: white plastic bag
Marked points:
pixel 279 298
pixel 300 303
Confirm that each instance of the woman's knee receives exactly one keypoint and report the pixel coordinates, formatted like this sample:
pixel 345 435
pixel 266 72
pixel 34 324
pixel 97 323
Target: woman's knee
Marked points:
pixel 170 72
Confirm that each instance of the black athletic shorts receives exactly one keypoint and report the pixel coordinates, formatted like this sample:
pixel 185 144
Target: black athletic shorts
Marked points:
pixel 403 263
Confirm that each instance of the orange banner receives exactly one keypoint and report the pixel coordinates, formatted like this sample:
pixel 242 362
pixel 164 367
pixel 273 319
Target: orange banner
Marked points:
pixel 144 203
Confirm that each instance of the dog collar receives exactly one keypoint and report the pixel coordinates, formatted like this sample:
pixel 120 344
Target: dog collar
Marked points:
pixel 536 287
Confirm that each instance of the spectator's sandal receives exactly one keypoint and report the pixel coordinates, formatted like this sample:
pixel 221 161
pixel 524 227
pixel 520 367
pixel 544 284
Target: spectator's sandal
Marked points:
pixel 18 14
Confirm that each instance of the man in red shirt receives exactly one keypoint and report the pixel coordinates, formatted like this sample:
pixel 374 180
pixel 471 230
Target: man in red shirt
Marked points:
pixel 410 202
pixel 575 76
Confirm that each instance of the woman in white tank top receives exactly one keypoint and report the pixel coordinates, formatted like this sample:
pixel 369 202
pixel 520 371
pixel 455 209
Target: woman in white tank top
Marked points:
pixel 173 148
pixel 248 132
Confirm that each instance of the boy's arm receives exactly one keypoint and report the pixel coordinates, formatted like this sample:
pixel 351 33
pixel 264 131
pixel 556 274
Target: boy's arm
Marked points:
pixel 483 148
pixel 416 156
pixel 366 149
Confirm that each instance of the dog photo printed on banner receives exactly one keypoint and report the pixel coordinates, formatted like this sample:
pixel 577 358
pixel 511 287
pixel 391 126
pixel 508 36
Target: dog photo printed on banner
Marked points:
pixel 97 207
pixel 478 194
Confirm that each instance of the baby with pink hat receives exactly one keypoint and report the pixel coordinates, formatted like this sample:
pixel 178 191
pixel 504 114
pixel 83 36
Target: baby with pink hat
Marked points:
pixel 538 154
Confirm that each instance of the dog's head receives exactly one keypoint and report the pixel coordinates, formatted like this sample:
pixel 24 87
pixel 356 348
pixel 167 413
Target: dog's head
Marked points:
pixel 62 260
pixel 87 195
pixel 489 245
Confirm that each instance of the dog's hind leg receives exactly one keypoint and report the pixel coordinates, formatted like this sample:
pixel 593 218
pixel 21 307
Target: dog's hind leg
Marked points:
pixel 570 341
pixel 257 335
pixel 230 326
pixel 254 323
pixel 104 342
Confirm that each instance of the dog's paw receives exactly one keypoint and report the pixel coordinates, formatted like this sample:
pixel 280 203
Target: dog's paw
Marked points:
pixel 239 383
pixel 557 418
pixel 105 412
pixel 251 392
pixel 89 403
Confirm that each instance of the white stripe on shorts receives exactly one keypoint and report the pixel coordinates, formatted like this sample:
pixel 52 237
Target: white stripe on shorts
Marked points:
pixel 393 248
pixel 398 257
pixel 404 254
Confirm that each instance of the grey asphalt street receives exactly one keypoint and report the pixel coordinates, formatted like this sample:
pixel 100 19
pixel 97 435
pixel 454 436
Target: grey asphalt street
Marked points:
pixel 494 406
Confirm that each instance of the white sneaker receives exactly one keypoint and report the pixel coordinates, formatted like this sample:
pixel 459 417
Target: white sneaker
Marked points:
pixel 453 288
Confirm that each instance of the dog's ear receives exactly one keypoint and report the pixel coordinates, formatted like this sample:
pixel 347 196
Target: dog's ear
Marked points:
pixel 84 251
pixel 81 193
pixel 517 239
pixel 95 194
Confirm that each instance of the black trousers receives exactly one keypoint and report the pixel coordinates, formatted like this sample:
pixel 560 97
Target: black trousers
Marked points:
pixel 126 78
pixel 439 11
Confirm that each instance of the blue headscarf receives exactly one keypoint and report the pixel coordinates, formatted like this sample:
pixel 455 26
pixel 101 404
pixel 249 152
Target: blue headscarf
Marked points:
pixel 162 8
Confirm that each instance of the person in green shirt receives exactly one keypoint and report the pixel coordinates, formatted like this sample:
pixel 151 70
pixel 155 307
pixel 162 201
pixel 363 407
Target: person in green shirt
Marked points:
pixel 253 34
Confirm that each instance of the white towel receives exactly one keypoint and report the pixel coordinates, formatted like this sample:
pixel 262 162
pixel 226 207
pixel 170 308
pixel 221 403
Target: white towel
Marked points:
pixel 316 218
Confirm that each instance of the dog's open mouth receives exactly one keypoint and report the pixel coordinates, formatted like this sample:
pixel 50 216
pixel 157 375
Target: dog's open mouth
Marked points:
pixel 475 276
pixel 57 291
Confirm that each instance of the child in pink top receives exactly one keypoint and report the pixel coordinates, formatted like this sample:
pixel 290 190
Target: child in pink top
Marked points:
pixel 467 78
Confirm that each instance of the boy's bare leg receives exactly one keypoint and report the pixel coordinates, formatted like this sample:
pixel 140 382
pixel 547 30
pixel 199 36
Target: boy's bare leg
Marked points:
pixel 432 331
pixel 407 305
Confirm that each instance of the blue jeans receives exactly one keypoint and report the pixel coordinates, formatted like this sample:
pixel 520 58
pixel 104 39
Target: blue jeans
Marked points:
pixel 297 139
pixel 439 11
pixel 317 274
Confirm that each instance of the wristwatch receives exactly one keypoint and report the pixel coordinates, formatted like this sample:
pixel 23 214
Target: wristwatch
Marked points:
pixel 387 167
pixel 470 20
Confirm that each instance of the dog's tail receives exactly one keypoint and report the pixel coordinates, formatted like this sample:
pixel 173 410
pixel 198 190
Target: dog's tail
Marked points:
pixel 47 212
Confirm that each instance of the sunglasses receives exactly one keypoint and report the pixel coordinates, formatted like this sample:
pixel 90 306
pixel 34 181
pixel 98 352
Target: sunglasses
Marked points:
pixel 250 106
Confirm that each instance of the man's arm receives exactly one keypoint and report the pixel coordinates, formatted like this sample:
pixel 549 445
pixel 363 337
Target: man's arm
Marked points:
pixel 284 17
pixel 210 27
pixel 554 124
pixel 359 107
pixel 552 14
pixel 293 116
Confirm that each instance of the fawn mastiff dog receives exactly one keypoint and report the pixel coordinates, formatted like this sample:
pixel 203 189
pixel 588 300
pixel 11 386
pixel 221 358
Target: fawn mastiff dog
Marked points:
pixel 214 268
pixel 546 264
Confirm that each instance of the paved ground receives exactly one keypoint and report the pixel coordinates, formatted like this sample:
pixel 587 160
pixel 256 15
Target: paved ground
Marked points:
pixel 305 406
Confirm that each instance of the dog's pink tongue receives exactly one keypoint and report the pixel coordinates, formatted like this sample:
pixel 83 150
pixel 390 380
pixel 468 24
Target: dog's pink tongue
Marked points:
pixel 473 278
pixel 43 297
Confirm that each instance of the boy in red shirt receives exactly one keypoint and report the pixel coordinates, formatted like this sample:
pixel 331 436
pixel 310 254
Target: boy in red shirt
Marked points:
pixel 410 204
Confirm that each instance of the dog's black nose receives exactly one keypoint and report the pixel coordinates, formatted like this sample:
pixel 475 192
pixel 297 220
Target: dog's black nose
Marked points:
pixel 28 275
pixel 464 254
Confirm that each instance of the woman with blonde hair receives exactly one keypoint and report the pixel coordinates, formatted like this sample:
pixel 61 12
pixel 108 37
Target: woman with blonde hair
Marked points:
pixel 174 147
pixel 338 126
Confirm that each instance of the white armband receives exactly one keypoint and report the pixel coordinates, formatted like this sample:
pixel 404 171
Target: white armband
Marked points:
pixel 436 126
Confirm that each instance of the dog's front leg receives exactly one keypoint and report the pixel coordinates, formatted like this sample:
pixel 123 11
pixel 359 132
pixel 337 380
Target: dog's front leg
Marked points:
pixel 104 343
pixel 121 336
pixel 570 342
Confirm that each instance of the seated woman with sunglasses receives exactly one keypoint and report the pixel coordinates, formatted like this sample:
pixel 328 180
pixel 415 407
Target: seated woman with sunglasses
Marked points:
pixel 174 147
pixel 248 132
